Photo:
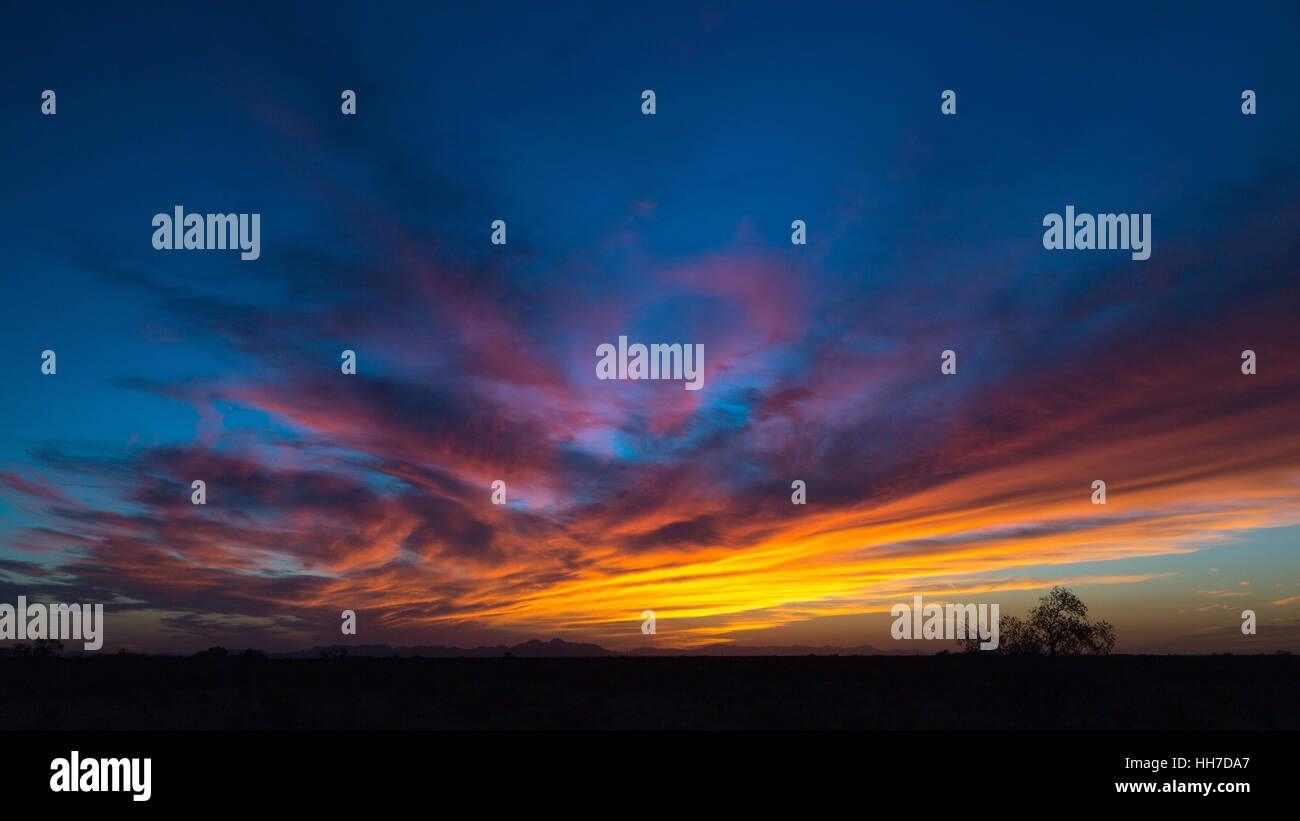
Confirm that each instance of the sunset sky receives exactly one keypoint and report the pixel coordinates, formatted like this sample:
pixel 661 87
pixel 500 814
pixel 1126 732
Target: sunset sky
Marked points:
pixel 476 362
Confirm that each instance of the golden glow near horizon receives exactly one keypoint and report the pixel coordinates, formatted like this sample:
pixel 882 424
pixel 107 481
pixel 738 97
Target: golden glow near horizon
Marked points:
pixel 963 538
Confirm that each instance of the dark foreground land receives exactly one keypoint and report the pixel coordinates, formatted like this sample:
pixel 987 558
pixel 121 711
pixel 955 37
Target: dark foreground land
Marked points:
pixel 954 692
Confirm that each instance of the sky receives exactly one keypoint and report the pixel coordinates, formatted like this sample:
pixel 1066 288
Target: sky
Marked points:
pixel 477 362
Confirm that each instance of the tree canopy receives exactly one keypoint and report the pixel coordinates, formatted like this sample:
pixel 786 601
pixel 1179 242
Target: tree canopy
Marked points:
pixel 1058 626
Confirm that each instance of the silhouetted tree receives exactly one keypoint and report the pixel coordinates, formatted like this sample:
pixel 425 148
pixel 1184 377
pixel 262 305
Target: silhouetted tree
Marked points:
pixel 1058 626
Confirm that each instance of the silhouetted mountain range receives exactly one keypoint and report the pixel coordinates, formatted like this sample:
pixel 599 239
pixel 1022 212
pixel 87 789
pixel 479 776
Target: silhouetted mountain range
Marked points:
pixel 558 648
